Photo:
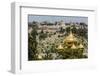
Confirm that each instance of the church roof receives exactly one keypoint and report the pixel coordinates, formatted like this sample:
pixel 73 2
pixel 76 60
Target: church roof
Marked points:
pixel 70 38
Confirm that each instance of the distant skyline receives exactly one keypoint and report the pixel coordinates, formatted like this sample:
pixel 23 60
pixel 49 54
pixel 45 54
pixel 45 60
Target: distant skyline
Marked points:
pixel 52 19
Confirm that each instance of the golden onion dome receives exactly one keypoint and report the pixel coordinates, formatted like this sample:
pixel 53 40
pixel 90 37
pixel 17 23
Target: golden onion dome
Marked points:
pixel 80 46
pixel 60 47
pixel 39 56
pixel 70 38
pixel 73 47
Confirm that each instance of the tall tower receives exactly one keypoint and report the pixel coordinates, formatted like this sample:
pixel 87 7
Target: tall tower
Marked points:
pixel 62 24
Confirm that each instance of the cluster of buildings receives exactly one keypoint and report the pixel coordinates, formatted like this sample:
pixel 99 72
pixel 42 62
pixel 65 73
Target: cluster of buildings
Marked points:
pixel 54 27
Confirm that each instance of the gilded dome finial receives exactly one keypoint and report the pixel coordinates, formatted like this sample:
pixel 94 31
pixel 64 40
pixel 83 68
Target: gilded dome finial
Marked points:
pixel 60 47
pixel 73 47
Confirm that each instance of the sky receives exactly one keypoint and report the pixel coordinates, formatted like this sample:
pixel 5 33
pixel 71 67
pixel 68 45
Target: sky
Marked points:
pixel 52 19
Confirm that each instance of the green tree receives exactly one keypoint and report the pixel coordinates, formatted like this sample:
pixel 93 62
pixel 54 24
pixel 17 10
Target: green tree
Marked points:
pixel 32 42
